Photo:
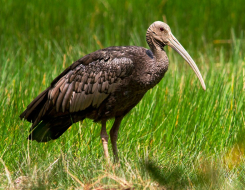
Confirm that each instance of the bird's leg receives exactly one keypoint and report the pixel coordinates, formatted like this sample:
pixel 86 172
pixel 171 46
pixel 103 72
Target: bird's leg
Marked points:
pixel 114 135
pixel 104 137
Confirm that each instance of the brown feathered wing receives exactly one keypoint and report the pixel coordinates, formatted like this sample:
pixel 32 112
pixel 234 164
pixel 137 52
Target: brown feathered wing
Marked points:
pixel 81 87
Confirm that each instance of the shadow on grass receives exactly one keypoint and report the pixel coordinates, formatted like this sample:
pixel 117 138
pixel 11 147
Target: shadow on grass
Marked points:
pixel 176 177
pixel 165 177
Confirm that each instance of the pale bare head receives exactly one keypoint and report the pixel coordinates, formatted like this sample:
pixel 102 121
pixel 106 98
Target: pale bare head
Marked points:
pixel 159 35
pixel 159 31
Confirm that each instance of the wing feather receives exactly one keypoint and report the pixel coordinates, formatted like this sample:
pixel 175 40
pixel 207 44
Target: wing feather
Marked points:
pixel 104 87
pixel 99 98
pixel 55 96
pixel 57 86
pixel 77 102
pixel 94 87
pixel 80 87
pixel 67 96
pixel 72 100
pixel 61 96
pixel 76 86
pixel 97 76
pixel 89 85
pixel 81 101
pixel 87 100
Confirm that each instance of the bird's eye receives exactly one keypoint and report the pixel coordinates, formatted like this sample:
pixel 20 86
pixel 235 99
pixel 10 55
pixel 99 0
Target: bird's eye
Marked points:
pixel 161 29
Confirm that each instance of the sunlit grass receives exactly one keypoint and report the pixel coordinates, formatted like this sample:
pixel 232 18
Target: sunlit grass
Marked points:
pixel 178 136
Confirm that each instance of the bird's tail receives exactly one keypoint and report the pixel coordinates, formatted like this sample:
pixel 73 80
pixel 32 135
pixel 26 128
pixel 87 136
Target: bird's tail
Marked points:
pixel 36 108
pixel 50 129
pixel 47 124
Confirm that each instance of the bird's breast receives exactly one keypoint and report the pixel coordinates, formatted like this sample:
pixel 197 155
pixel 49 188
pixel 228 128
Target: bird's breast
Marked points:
pixel 149 77
pixel 149 70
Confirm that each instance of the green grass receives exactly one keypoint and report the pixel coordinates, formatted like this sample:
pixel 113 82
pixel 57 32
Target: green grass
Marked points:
pixel 177 137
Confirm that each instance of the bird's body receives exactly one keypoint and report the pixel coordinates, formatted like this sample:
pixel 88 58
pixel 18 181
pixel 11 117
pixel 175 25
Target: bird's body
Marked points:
pixel 102 85
pixel 105 84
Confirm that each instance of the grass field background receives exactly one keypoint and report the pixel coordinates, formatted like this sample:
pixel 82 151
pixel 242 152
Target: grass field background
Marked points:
pixel 177 137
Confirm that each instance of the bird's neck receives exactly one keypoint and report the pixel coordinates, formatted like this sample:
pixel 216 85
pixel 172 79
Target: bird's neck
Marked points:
pixel 161 57
pixel 158 52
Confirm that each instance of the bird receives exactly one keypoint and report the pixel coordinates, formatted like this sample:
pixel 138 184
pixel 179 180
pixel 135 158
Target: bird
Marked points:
pixel 104 85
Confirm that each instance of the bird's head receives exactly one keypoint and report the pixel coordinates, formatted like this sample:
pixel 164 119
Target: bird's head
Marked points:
pixel 159 35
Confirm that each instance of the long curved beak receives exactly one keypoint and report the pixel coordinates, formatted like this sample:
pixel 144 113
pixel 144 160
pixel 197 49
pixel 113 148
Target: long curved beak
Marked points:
pixel 174 43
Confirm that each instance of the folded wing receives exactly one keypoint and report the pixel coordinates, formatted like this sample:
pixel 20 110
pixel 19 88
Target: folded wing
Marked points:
pixel 89 85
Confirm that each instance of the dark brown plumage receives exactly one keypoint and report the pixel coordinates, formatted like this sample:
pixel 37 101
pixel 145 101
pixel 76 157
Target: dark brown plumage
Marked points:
pixel 102 85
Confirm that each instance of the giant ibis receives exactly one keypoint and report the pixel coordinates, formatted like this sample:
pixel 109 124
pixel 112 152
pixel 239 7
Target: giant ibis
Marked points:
pixel 103 85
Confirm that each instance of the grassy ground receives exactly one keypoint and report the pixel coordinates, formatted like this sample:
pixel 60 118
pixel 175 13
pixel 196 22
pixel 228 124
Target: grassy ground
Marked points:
pixel 177 137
